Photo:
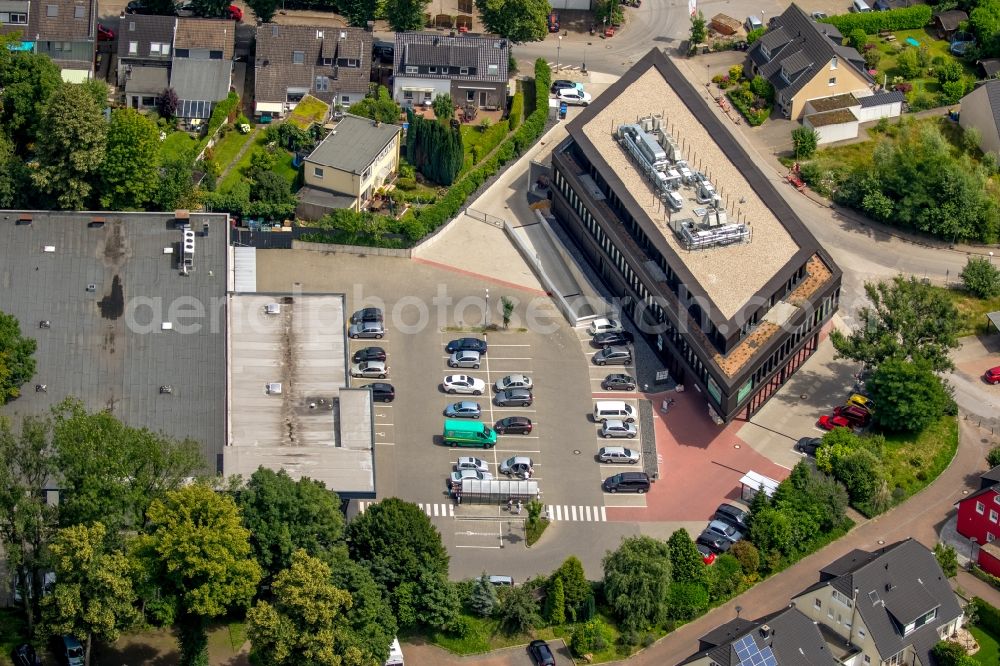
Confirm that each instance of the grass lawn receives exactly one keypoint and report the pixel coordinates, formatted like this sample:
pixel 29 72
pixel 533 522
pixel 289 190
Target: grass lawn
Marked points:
pixel 282 166
pixel 971 310
pixel 176 144
pixel 228 147
pixel 911 463
pixel 989 647
pixel 936 47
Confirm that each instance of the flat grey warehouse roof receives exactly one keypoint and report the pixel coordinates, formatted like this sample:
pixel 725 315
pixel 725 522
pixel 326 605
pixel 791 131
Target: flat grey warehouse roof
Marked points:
pixel 106 291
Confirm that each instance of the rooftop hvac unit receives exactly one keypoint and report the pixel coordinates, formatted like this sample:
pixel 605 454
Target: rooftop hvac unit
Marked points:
pixel 272 308
pixel 274 388
pixel 705 193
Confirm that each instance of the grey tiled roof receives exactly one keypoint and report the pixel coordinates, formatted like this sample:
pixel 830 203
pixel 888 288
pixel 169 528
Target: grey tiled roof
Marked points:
pixel 879 98
pixel 99 350
pixel 201 80
pixel 987 479
pixel 353 144
pixel 276 72
pixel 950 19
pixel 148 80
pixel 423 49
pixel 145 29
pixel 66 24
pixel 206 34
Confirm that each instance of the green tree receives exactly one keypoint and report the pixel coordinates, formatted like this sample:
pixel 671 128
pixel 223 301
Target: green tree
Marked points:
pixel 483 597
pixel 725 577
pixel 948 653
pixel 307 621
pixel 748 556
pixel 517 611
pixel 993 457
pixel 857 39
pixel 685 561
pixel 907 320
pixel 27 521
pixel 871 55
pixel 805 140
pixel 176 187
pixel 17 365
pixel 508 310
pixel 557 602
pixel 111 472
pixel 981 278
pixel 210 8
pixel 130 174
pixel 591 636
pixel 908 64
pixel 284 515
pixel 637 581
pixel 946 558
pixel 576 587
pixel 26 81
pixel 264 10
pixel 377 106
pixel 771 531
pixel 860 471
pixel 686 601
pixel 93 595
pixel 405 15
pixel 71 150
pixel 444 108
pixel 755 34
pixel 909 395
pixel 14 177
pixel 199 553
pixel 952 91
pixel 699 29
pixel 359 12
pixel 98 90
pixel 370 614
pixel 518 20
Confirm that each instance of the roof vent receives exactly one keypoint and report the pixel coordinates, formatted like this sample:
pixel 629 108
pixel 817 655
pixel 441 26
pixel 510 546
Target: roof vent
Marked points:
pixel 24 218
pixel 765 630
pixel 166 389
pixel 343 34
pixel 91 287
pixel 274 388
pixel 41 388
pixel 45 323
pixel 49 248
pixel 166 326
pixel 272 308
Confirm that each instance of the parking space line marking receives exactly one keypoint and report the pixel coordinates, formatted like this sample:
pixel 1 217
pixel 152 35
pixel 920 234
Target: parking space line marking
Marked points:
pixel 518 451
pixel 481 547
pixel 384 423
pixel 512 358
pixel 508 345
pixel 511 409
pixel 521 436
pixel 386 443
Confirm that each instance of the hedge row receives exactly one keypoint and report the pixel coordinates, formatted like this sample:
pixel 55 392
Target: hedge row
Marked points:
pixel 220 114
pixel 491 139
pixel 516 114
pixel 907 18
pixel 989 616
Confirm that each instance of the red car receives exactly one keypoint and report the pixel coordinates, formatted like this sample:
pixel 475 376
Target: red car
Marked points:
pixel 235 13
pixel 707 556
pixel 831 421
pixel 858 416
pixel 992 376
pixel 105 34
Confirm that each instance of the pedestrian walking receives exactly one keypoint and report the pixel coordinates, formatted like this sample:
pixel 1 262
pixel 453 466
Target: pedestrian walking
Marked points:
pixel 458 498
pixel 510 504
pixel 519 507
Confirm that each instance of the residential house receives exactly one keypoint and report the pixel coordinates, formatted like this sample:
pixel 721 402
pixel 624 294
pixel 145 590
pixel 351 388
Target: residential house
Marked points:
pixel 64 30
pixel 805 60
pixel 981 109
pixel 893 603
pixel 332 64
pixel 470 68
pixel 145 49
pixel 356 158
pixel 786 637
pixel 979 520
pixel 201 68
pixel 947 23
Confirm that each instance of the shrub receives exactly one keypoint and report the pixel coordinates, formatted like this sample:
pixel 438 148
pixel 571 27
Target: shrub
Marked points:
pixel 748 556
pixel 952 91
pixel 947 559
pixel 989 616
pixel 908 18
pixel 589 637
pixel 736 72
pixel 904 87
pixel 754 35
pixel 516 114
pixel 981 279
pixel 948 653
pixel 993 457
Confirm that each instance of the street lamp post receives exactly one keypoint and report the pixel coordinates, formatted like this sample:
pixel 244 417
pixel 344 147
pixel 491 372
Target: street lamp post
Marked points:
pixel 486 317
pixel 558 50
pixel 584 68
pixel 972 552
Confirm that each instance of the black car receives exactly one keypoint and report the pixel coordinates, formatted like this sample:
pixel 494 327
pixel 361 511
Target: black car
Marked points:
pixel 618 381
pixel 369 354
pixel 560 84
pixel 717 543
pixel 541 653
pixel 367 314
pixel 808 445
pixel 24 655
pixel 734 516
pixel 613 338
pixel 467 344
pixel 382 392
pixel 513 425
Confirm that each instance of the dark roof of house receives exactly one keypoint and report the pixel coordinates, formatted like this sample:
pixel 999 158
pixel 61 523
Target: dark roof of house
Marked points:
pixel 353 144
pixel 800 46
pixel 149 80
pixel 992 97
pixel 990 66
pixel 880 98
pixel 145 29
pixel 276 70
pixel 325 198
pixel 989 478
pixel 206 34
pixel 831 117
pixel 950 19
pixel 894 586
pixel 466 50
pixel 794 639
pixel 836 102
pixel 201 80
pixel 95 349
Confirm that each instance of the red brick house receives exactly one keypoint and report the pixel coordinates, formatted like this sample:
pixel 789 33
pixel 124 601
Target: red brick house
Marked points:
pixel 979 520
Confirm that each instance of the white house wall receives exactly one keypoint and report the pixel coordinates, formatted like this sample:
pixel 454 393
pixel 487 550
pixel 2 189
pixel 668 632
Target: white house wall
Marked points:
pixel 435 86
pixel 833 133
pixel 867 114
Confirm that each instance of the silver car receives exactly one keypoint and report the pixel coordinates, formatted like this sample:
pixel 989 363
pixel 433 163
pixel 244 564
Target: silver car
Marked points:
pixel 514 398
pixel 366 329
pixel 370 369
pixel 517 466
pixel 464 359
pixel 470 462
pixel 461 475
pixel 465 409
pixel 613 356
pixel 513 382
pixel 617 428
pixel 618 454
pixel 728 532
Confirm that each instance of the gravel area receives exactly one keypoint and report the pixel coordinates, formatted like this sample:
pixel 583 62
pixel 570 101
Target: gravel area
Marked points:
pixel 729 275
pixel 647 433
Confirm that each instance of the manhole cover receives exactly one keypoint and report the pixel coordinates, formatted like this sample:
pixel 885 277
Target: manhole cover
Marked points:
pixel 804 396
pixel 984 440
pixel 736 446
pixel 576 452
pixel 880 542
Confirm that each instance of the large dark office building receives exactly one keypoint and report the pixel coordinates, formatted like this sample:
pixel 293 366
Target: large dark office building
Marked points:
pixel 706 257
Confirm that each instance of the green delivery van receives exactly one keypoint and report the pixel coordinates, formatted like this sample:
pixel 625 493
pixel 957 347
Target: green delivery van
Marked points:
pixel 469 433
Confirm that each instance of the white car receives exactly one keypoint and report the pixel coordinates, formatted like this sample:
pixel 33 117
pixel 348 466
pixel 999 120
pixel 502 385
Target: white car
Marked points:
pixel 370 369
pixel 617 428
pixel 604 325
pixel 469 462
pixel 573 96
pixel 513 382
pixel 475 475
pixel 463 384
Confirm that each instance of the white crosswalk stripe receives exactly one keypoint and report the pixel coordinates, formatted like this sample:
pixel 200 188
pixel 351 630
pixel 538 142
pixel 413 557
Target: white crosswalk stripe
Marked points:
pixel 433 510
pixel 579 514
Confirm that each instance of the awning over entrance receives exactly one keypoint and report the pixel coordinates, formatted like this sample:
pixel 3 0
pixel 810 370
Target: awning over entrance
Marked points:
pixel 417 89
pixel 753 483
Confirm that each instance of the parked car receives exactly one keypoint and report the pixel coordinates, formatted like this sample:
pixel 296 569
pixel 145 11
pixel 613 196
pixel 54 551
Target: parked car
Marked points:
pixel 612 338
pixel 753 23
pixel 369 354
pixel 862 401
pixel 992 376
pixel 716 543
pixel 513 382
pixel 724 530
pixel 25 655
pixel 818 16
pixel 467 344
pixel 613 356
pixel 382 392
pixel 105 34
pixel 367 314
pixel 831 421
pixel 469 462
pixel 70 651
pixel 553 22
pixel 617 454
pixel 514 398
pixel 513 425
pixel 539 650
pixel 733 515
pixel 466 409
pixel 370 369
pixel 808 445
pixel 366 329
pixel 517 466
pixel 138 7
pixel 463 384
pixel 618 382
pixel 858 416
pixel 616 428
pixel 603 325
pixel 464 359
pixel 573 96
pixel 559 84
pixel 627 482
pixel 707 556
pixel 457 477
pixel 232 12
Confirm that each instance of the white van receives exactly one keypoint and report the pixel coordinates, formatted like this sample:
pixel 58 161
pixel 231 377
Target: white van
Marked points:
pixel 860 6
pixel 395 654
pixel 613 409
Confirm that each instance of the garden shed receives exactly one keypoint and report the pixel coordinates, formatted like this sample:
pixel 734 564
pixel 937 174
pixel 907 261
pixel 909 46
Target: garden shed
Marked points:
pixel 885 104
pixel 946 23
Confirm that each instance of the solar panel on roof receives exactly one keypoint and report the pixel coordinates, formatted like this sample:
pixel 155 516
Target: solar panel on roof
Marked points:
pixel 751 655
